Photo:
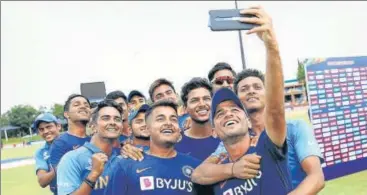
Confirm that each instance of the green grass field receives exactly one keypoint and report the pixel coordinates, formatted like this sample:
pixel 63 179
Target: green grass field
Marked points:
pixel 23 181
pixel 16 140
pixel 27 151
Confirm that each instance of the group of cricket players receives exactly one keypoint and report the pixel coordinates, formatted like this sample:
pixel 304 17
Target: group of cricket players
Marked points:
pixel 229 137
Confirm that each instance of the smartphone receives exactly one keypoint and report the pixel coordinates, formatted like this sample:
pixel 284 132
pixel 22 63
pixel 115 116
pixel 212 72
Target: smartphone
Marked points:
pixel 228 20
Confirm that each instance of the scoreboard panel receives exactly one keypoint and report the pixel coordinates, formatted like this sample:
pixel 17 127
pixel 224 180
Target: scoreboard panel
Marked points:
pixel 337 91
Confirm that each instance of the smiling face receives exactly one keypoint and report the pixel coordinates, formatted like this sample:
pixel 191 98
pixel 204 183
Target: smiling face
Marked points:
pixel 139 128
pixel 162 124
pixel 164 92
pixel 79 110
pixel 230 121
pixel 198 105
pixel 223 78
pixel 136 101
pixel 109 123
pixel 251 92
pixel 49 131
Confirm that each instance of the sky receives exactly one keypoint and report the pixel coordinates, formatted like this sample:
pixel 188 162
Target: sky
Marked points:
pixel 49 48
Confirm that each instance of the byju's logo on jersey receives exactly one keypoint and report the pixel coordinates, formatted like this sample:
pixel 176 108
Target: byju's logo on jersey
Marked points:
pixel 228 192
pixel 152 183
pixel 248 186
pixel 147 183
pixel 187 171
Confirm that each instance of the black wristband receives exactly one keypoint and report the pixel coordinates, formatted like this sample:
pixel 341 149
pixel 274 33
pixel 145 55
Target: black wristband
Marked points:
pixel 90 183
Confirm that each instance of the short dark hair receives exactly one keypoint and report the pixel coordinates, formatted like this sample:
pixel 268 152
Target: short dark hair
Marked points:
pixel 103 104
pixel 157 83
pixel 220 66
pixel 195 83
pixel 116 94
pixel 93 105
pixel 161 103
pixel 71 97
pixel 248 73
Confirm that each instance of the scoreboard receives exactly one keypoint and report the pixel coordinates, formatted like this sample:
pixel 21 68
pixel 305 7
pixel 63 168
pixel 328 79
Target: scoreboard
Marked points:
pixel 337 91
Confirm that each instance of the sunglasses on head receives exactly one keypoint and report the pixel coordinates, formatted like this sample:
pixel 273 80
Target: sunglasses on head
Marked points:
pixel 220 80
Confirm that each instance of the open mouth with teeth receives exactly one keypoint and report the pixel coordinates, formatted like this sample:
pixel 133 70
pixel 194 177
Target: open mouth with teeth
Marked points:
pixel 203 111
pixel 167 131
pixel 83 112
pixel 113 130
pixel 230 123
pixel 252 99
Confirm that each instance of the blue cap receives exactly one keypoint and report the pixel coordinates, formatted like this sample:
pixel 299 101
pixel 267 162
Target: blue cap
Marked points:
pixel 45 117
pixel 134 113
pixel 224 94
pixel 134 93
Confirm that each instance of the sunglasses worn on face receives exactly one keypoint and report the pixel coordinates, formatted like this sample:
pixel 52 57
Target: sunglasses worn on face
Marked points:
pixel 220 80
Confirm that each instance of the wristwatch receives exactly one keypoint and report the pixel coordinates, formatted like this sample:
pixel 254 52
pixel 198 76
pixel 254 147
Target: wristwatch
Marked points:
pixel 90 183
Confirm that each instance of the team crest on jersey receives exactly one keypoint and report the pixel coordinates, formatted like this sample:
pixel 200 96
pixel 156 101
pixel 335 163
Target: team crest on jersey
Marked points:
pixel 187 171
pixel 89 167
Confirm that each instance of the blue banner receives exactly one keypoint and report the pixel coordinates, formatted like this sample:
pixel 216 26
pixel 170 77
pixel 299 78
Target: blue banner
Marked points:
pixel 337 91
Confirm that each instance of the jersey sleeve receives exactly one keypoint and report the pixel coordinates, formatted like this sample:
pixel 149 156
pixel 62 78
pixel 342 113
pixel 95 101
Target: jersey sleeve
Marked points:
pixel 118 182
pixel 220 149
pixel 68 174
pixel 276 152
pixel 305 142
pixel 58 149
pixel 40 162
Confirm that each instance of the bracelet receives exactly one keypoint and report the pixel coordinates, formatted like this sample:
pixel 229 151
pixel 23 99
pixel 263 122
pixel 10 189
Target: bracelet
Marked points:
pixel 90 183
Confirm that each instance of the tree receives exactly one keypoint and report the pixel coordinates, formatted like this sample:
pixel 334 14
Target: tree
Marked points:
pixel 58 110
pixel 301 72
pixel 301 76
pixel 22 116
pixel 4 120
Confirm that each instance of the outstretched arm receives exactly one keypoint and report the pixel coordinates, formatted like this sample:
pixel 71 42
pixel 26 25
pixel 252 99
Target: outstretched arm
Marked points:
pixel 275 124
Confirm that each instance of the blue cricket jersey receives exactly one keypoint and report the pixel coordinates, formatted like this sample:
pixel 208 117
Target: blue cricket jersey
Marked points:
pixel 63 144
pixel 42 158
pixel 273 178
pixel 145 148
pixel 301 144
pixel 76 165
pixel 123 138
pixel 197 148
pixel 154 176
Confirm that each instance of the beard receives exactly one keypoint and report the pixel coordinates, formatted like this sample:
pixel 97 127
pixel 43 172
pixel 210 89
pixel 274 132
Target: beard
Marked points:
pixel 84 122
pixel 201 122
pixel 145 138
pixel 81 121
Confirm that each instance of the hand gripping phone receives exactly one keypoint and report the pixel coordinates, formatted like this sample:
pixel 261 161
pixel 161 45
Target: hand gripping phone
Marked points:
pixel 228 20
